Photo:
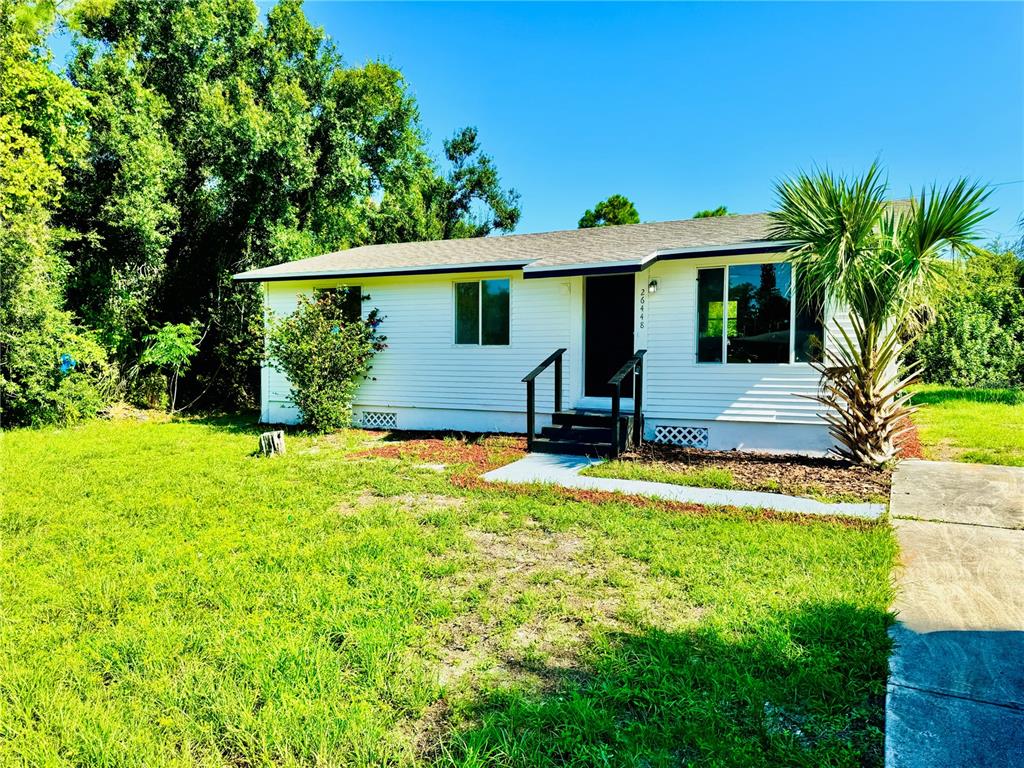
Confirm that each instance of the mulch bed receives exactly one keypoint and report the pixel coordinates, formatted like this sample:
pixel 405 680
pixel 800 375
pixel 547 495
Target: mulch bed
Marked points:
pixel 910 445
pixel 785 473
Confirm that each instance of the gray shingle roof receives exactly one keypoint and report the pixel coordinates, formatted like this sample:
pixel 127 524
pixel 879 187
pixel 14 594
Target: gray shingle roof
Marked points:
pixel 629 245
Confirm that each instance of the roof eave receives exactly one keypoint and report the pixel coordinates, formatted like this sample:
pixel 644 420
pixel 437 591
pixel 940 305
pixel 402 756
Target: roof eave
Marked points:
pixel 529 271
pixel 259 276
pixel 667 254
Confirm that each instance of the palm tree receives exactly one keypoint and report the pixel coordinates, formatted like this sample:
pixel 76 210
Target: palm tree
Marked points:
pixel 883 261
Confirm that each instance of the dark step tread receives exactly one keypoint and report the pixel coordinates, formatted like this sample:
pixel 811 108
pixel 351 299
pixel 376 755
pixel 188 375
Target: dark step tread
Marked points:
pixel 572 447
pixel 582 434
pixel 588 418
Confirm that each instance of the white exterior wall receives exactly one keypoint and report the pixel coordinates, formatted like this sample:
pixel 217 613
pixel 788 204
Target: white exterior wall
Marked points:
pixel 429 382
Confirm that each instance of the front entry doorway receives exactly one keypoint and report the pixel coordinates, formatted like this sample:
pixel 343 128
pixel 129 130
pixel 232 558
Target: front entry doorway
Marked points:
pixel 608 332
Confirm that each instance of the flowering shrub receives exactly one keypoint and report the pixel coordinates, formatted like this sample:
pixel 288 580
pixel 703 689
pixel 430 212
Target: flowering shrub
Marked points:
pixel 325 352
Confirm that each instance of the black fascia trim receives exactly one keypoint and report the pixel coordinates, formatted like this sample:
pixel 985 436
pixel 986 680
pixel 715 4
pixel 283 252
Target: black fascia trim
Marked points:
pixel 389 273
pixel 738 251
pixel 626 268
pixel 569 272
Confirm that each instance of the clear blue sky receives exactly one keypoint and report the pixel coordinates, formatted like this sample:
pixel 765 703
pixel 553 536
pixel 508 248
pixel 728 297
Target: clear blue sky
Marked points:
pixel 689 106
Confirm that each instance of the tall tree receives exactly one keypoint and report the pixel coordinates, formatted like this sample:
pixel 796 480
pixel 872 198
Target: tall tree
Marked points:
pixel 118 200
pixel 467 200
pixel 617 209
pixel 882 261
pixel 473 181
pixel 221 143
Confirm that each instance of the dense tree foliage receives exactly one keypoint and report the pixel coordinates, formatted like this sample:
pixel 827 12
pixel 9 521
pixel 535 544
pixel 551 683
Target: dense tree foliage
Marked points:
pixel 977 336
pixel 51 368
pixel 189 140
pixel 617 209
pixel 711 213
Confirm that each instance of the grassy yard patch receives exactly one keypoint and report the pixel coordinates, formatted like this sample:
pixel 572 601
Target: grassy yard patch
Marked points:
pixel 983 426
pixel 167 598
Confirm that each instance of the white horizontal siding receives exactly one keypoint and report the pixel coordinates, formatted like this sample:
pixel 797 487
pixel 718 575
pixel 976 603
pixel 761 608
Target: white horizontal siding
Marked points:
pixel 422 367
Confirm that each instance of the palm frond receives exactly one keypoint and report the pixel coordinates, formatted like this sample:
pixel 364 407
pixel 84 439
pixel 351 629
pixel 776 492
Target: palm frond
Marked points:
pixel 883 262
pixel 946 219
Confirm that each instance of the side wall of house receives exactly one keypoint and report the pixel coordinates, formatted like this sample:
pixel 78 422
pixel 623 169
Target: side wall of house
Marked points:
pixel 424 378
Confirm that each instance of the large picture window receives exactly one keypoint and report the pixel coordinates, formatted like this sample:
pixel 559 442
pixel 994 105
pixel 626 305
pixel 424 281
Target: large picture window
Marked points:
pixel 482 312
pixel 745 314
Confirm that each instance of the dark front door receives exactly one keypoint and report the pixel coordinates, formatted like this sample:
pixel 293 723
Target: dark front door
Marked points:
pixel 608 333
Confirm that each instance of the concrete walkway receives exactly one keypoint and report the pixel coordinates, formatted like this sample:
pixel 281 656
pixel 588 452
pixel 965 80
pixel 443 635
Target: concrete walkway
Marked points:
pixel 956 683
pixel 565 471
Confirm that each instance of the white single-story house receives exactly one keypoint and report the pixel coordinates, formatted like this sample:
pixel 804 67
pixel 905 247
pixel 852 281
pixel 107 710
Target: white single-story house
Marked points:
pixel 710 301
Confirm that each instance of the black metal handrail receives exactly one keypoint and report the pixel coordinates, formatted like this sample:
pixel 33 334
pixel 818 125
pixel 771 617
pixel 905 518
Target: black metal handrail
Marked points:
pixel 531 400
pixel 635 366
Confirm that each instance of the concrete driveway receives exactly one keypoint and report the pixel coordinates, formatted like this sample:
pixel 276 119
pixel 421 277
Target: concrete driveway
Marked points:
pixel 956 683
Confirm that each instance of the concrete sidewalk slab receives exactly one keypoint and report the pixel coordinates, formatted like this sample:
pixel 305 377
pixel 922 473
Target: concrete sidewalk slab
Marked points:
pixel 961 612
pixel 927 730
pixel 540 468
pixel 564 471
pixel 956 686
pixel 977 494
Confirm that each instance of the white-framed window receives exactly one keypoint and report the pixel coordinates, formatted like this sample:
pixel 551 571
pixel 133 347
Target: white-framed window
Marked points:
pixel 482 312
pixel 746 314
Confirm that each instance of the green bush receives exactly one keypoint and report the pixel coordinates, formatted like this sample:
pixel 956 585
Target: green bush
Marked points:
pixel 968 346
pixel 977 336
pixel 52 372
pixel 325 352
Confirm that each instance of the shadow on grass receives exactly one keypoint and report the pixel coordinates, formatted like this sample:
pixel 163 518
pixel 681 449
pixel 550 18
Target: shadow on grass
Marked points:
pixel 238 423
pixel 953 394
pixel 248 423
pixel 804 689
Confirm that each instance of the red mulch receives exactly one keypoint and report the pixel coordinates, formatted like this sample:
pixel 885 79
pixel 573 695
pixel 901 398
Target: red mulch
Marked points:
pixel 910 444
pixel 473 455
pixel 479 453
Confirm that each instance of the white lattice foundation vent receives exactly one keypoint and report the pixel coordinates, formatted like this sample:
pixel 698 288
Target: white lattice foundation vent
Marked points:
pixel 691 437
pixel 379 420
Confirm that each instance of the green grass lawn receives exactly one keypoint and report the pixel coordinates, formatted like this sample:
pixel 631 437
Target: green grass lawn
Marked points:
pixel 167 598
pixel 982 426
